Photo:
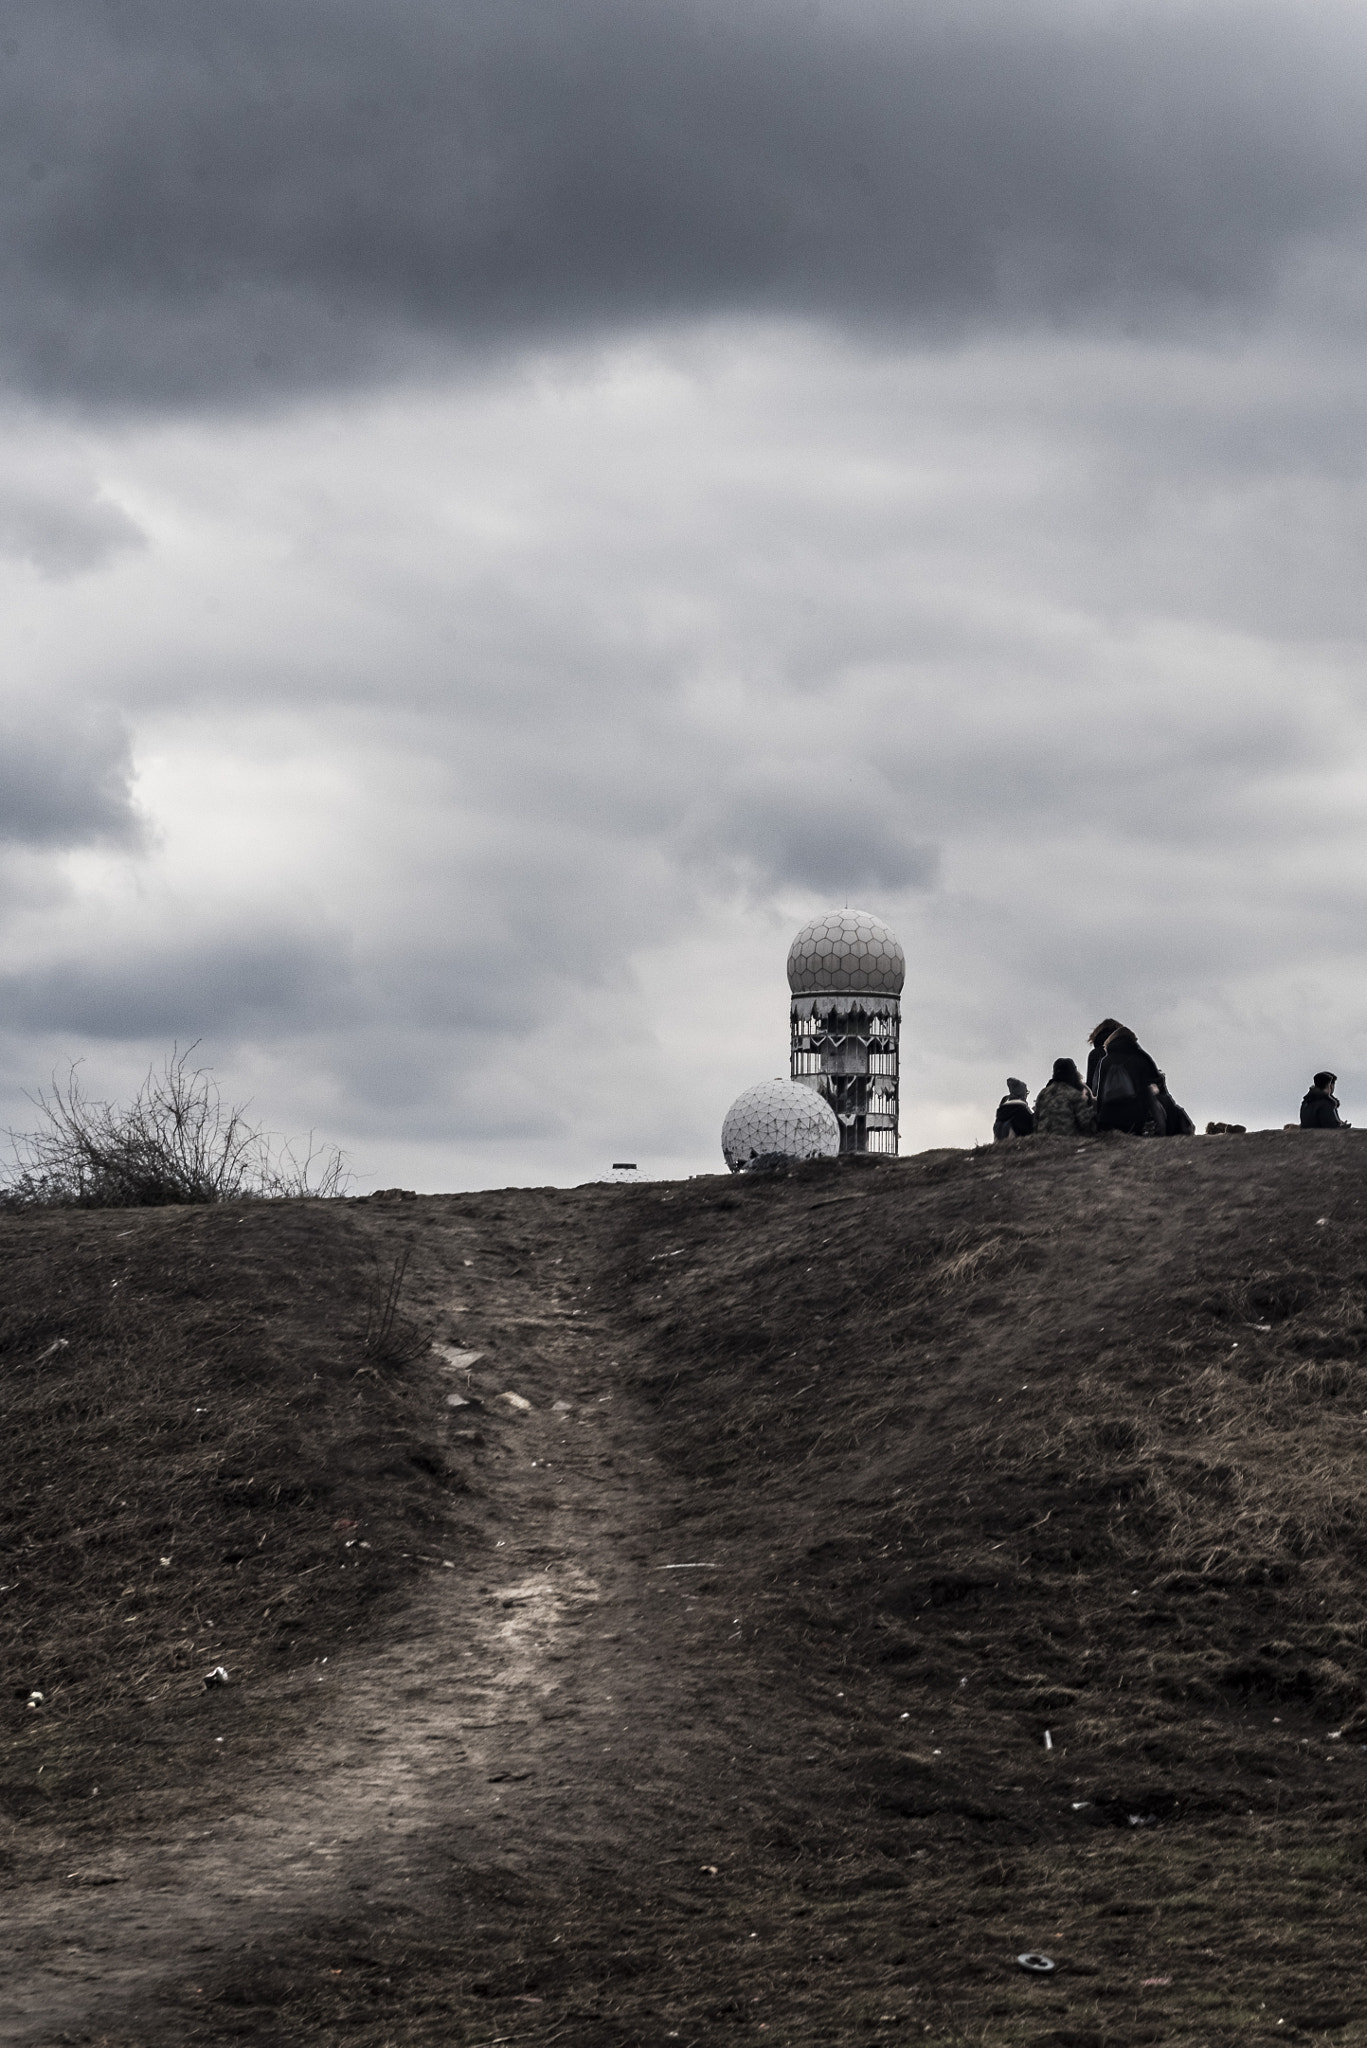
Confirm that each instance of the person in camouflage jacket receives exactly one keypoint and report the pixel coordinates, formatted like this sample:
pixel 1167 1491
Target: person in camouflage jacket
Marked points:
pixel 1064 1107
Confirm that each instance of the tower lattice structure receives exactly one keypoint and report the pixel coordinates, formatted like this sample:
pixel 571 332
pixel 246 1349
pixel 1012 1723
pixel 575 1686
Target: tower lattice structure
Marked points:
pixel 846 971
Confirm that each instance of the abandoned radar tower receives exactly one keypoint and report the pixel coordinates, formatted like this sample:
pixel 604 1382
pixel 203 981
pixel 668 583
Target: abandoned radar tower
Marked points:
pixel 846 970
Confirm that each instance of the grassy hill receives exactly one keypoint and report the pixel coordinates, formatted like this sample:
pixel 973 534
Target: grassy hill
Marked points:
pixel 882 1572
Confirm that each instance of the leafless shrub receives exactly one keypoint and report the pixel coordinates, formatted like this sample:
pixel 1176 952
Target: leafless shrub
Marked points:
pixel 176 1141
pixel 390 1337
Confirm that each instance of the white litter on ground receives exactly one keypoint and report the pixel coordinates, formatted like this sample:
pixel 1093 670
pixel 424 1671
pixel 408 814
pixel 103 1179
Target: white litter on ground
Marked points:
pixel 460 1360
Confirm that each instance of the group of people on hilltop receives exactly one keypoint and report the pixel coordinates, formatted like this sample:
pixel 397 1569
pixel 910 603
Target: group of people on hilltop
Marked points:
pixel 1124 1089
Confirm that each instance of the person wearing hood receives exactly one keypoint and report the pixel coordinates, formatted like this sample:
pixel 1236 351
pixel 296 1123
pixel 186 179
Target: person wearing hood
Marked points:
pixel 1320 1106
pixel 1097 1042
pixel 1014 1119
pixel 1065 1107
pixel 1128 1085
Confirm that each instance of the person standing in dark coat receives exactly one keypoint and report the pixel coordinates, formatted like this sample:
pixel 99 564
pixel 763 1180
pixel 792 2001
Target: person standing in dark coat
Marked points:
pixel 1014 1118
pixel 1097 1041
pixel 1320 1107
pixel 1128 1084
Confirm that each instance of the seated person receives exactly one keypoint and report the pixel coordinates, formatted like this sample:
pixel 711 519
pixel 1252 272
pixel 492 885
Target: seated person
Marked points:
pixel 1064 1107
pixel 1013 1112
pixel 1128 1084
pixel 1320 1107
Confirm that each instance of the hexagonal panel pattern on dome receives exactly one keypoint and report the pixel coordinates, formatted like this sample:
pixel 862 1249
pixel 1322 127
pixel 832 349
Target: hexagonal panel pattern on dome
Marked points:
pixel 846 952
pixel 779 1116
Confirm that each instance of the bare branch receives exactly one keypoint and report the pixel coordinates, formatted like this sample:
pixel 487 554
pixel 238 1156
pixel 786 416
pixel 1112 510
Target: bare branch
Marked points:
pixel 175 1142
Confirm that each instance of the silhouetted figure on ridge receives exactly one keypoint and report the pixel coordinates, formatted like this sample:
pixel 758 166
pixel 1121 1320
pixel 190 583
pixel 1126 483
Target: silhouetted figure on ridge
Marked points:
pixel 1320 1107
pixel 1096 1039
pixel 1128 1086
pixel 1014 1119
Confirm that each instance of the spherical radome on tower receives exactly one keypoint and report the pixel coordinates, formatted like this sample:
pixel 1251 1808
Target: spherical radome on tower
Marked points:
pixel 846 952
pixel 779 1116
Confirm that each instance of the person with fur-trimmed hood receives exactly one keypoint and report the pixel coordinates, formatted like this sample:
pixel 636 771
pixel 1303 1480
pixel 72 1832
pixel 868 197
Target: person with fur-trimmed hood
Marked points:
pixel 1128 1084
pixel 1014 1119
pixel 1065 1106
pixel 1320 1107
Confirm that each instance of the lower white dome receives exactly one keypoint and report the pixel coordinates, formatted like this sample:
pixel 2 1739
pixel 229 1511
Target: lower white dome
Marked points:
pixel 779 1116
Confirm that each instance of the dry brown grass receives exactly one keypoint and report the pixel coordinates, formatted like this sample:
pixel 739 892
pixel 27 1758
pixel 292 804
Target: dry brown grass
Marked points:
pixel 194 1465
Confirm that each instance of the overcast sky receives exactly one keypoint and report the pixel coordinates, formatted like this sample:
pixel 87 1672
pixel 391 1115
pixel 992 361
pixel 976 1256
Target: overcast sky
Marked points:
pixel 506 509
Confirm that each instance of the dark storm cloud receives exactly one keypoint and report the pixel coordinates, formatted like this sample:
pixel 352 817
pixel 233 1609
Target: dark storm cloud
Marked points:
pixel 216 197
pixel 64 780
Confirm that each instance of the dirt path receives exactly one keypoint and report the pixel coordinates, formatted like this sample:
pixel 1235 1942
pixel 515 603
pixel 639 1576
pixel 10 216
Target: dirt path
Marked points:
pixel 486 1733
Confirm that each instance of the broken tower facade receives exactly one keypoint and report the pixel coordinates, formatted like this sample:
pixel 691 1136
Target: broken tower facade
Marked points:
pixel 846 971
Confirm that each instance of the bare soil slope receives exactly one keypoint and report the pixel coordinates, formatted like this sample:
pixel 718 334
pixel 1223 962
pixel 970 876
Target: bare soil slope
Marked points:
pixel 896 1568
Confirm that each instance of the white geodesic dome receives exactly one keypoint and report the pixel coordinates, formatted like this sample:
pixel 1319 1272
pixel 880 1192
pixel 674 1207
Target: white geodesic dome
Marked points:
pixel 846 952
pixel 779 1116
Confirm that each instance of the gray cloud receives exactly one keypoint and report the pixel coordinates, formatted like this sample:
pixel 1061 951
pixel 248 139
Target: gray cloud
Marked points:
pixel 61 531
pixel 220 198
pixel 65 779
pixel 800 828
pixel 163 990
